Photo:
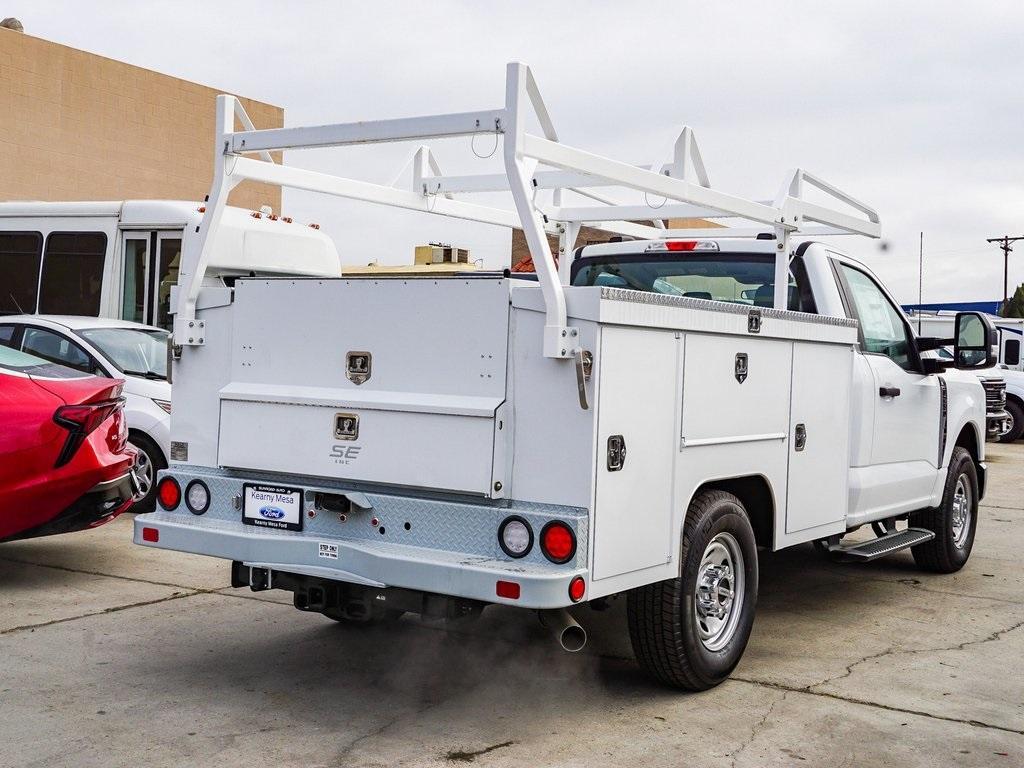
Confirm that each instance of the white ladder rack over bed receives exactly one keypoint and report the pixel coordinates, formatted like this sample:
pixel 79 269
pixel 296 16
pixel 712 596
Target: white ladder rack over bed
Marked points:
pixel 531 162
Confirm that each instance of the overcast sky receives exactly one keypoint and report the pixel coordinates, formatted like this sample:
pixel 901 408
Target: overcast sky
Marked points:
pixel 915 108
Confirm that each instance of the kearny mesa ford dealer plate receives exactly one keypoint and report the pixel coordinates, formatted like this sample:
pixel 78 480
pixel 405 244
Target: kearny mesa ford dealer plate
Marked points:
pixel 271 506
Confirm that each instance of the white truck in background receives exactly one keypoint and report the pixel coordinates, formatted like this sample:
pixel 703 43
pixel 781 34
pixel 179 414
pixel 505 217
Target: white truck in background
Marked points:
pixel 1010 331
pixel 1004 384
pixel 638 421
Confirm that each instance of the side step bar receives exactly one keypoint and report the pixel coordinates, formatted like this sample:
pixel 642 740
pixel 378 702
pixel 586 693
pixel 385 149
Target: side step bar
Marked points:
pixel 883 545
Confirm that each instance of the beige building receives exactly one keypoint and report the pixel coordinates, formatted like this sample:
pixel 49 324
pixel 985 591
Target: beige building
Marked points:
pixel 77 126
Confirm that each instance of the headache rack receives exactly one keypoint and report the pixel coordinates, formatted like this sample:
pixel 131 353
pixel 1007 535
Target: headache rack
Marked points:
pixel 531 163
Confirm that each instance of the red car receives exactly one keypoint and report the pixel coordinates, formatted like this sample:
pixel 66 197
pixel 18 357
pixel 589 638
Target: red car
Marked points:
pixel 65 464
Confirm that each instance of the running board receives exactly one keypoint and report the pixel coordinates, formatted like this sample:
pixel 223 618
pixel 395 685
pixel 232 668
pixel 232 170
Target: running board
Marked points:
pixel 883 545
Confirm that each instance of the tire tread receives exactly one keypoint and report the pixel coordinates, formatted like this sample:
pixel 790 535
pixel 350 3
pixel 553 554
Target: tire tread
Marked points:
pixel 934 555
pixel 654 610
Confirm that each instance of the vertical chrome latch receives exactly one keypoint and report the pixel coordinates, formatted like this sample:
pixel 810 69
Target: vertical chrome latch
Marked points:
pixel 616 453
pixel 754 321
pixel 357 366
pixel 800 438
pixel 584 367
pixel 742 367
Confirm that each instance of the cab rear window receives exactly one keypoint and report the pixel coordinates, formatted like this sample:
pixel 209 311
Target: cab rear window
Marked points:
pixel 737 278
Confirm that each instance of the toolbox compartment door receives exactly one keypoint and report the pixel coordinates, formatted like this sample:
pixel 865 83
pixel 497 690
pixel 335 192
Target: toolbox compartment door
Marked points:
pixel 639 406
pixel 819 444
pixel 422 410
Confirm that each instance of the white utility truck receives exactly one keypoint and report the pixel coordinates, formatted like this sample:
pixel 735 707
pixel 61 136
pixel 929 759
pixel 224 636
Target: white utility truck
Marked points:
pixel 637 421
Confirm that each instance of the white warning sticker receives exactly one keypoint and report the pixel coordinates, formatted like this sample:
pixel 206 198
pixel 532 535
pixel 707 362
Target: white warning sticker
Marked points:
pixel 330 551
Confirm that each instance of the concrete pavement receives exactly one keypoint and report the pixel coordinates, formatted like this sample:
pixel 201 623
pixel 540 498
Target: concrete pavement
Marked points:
pixel 112 655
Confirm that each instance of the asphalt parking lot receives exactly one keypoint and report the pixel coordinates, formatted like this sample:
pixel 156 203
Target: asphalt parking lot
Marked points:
pixel 113 655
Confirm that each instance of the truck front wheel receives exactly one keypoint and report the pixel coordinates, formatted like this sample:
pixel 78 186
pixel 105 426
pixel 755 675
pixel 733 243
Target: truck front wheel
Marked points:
pixel 954 521
pixel 690 631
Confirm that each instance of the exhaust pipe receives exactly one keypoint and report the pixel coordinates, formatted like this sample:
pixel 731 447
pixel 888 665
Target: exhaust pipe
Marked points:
pixel 571 636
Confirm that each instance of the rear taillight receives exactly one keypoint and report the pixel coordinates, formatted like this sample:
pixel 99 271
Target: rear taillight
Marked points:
pixel 80 421
pixel 168 492
pixel 557 542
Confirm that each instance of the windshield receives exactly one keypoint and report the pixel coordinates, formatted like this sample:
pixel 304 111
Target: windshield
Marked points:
pixel 134 351
pixel 20 362
pixel 738 278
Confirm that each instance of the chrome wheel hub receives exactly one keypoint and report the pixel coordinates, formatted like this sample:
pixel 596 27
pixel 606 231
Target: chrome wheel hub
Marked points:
pixel 143 473
pixel 718 599
pixel 961 517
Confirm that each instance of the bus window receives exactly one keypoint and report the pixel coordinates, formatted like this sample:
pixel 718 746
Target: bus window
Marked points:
pixel 167 275
pixel 20 254
pixel 72 273
pixel 133 296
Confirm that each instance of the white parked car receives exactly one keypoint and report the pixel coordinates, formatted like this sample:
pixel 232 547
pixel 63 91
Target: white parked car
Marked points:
pixel 118 349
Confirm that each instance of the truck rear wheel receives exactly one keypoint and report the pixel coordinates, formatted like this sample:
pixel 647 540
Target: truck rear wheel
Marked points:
pixel 1016 425
pixel 690 631
pixel 954 521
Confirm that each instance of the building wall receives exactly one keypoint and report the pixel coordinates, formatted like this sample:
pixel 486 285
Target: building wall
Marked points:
pixel 77 126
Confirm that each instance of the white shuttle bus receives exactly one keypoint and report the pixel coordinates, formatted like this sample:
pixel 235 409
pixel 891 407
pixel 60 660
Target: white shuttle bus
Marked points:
pixel 120 259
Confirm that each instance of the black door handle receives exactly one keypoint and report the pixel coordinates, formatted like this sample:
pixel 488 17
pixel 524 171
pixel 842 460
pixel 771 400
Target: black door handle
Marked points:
pixel 888 391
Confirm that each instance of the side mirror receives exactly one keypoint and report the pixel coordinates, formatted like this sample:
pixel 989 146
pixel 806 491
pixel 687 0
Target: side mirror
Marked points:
pixel 975 341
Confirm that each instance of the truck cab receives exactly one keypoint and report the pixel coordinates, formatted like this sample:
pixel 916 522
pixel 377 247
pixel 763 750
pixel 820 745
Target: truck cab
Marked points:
pixel 120 259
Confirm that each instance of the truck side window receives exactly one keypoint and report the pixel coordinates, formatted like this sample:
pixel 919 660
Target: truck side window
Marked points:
pixel 57 349
pixel 882 328
pixel 72 273
pixel 6 335
pixel 20 255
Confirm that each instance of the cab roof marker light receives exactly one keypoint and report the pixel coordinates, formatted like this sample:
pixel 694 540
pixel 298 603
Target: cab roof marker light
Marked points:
pixel 683 245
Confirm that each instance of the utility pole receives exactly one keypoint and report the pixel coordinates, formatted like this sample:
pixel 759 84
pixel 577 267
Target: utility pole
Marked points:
pixel 1004 244
pixel 920 281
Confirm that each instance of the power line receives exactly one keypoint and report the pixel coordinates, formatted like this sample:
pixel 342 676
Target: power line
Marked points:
pixel 1004 244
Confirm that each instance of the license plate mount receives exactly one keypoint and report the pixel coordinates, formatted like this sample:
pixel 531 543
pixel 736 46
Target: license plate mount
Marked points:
pixel 272 506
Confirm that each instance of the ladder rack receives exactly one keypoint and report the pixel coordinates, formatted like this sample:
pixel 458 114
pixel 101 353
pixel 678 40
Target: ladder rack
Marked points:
pixel 531 163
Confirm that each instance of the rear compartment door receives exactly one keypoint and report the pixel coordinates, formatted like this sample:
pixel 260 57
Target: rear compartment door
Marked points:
pixel 394 381
pixel 639 405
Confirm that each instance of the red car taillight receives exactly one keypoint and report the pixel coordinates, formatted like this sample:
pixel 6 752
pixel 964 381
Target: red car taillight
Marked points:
pixel 80 421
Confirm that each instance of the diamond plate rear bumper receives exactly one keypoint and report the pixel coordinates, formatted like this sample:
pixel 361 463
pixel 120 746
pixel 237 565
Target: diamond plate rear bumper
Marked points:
pixel 449 547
